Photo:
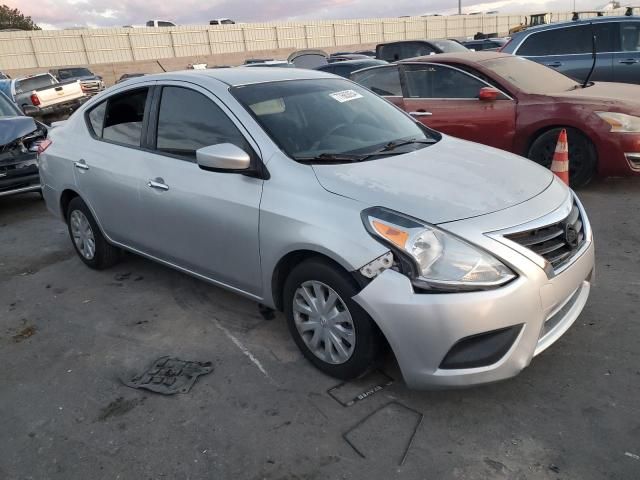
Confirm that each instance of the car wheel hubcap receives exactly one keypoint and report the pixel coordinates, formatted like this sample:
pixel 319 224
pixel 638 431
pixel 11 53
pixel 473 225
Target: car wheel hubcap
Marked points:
pixel 324 322
pixel 82 234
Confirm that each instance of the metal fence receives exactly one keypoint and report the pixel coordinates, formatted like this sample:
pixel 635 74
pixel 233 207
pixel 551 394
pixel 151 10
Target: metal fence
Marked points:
pixel 50 48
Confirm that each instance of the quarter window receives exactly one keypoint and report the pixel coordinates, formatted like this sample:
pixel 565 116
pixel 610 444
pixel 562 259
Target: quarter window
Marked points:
pixel 96 119
pixel 437 81
pixel 188 121
pixel 383 81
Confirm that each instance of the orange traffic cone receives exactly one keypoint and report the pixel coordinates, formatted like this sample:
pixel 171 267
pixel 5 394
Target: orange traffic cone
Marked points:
pixel 560 164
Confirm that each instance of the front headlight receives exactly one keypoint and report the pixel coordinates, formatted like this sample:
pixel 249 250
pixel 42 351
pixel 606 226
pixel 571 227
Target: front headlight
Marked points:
pixel 621 122
pixel 433 258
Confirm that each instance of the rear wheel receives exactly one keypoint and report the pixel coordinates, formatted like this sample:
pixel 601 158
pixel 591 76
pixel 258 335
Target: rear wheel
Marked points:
pixel 583 158
pixel 332 331
pixel 91 246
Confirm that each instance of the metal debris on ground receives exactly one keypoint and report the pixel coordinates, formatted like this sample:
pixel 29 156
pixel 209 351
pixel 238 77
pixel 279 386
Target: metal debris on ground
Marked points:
pixel 419 417
pixel 348 393
pixel 169 376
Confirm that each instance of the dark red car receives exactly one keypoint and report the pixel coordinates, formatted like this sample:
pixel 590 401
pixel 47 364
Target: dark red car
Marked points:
pixel 518 105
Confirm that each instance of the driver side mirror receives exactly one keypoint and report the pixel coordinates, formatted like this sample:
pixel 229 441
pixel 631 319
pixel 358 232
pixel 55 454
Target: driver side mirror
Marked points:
pixel 488 94
pixel 223 157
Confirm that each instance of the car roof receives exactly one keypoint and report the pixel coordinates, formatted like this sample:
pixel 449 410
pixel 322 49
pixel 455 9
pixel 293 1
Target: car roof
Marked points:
pixel 357 61
pixel 464 57
pixel 243 76
pixel 582 21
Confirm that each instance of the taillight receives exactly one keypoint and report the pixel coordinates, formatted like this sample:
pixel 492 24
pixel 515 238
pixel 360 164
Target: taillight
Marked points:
pixel 43 145
pixel 35 101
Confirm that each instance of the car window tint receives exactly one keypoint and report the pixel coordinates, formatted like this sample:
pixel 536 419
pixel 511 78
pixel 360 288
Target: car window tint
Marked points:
pixel 436 81
pixel 383 81
pixel 96 118
pixel 630 36
pixel 569 40
pixel 123 119
pixel 400 51
pixel 188 121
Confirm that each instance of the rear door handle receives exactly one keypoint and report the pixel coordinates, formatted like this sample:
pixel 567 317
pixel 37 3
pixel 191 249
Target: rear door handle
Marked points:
pixel 81 164
pixel 421 114
pixel 554 64
pixel 629 61
pixel 158 184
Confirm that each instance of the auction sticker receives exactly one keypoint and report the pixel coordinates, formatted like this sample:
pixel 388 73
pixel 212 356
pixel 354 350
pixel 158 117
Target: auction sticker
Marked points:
pixel 345 96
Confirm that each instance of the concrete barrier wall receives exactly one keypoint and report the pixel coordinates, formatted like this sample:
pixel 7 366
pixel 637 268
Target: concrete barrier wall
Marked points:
pixel 50 48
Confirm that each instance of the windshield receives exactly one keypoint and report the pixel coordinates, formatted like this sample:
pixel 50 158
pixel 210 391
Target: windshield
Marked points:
pixel 74 72
pixel 7 108
pixel 34 83
pixel 329 117
pixel 530 77
pixel 449 46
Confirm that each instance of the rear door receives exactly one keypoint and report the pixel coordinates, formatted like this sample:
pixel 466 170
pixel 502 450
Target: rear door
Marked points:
pixel 446 99
pixel 626 62
pixel 109 167
pixel 569 49
pixel 203 221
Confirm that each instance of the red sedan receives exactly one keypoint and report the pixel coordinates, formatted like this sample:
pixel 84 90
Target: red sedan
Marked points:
pixel 518 105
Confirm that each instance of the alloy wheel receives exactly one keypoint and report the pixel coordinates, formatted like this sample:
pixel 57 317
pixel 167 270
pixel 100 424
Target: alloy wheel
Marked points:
pixel 82 234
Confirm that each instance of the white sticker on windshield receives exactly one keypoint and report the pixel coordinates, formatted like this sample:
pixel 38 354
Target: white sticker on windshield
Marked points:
pixel 345 96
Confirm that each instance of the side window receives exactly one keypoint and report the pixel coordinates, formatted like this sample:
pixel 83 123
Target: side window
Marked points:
pixel 437 81
pixel 561 41
pixel 630 36
pixel 96 118
pixel 383 81
pixel 123 118
pixel 188 121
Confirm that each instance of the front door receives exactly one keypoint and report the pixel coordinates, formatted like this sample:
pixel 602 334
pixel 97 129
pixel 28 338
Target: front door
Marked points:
pixel 446 99
pixel 203 221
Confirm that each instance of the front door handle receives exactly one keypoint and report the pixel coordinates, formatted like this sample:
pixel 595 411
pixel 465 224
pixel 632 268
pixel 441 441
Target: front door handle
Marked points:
pixel 158 184
pixel 554 64
pixel 629 61
pixel 421 113
pixel 81 164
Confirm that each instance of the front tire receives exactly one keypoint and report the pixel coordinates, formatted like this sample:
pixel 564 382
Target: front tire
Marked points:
pixel 332 331
pixel 87 239
pixel 583 158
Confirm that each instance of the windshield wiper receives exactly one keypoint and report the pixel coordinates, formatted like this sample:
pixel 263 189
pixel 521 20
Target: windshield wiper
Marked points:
pixel 331 158
pixel 400 143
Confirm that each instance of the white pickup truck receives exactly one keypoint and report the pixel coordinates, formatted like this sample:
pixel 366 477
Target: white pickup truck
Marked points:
pixel 43 96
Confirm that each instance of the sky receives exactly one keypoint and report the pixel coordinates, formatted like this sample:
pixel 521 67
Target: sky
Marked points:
pixel 99 13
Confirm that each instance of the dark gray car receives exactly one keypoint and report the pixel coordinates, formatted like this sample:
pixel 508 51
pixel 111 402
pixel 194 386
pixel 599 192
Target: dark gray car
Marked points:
pixel 567 47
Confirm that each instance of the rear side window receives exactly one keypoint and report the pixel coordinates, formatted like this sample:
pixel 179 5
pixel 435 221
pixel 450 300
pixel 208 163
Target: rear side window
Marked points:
pixel 630 37
pixel 119 118
pixel 383 81
pixel 400 51
pixel 188 121
pixel 570 40
pixel 437 81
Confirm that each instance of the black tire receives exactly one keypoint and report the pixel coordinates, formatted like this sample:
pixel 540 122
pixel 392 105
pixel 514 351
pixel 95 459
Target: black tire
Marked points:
pixel 583 158
pixel 368 339
pixel 105 255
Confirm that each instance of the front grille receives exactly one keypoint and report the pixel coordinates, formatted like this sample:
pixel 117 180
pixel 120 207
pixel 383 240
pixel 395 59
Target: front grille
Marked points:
pixel 558 242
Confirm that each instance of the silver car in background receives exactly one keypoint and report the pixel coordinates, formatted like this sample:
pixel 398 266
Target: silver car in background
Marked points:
pixel 312 195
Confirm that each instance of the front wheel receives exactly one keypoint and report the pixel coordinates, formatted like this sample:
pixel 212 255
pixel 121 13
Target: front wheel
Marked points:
pixel 332 331
pixel 88 241
pixel 583 158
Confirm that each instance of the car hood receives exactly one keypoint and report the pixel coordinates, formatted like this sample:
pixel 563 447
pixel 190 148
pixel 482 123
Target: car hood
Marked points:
pixel 451 180
pixel 621 96
pixel 13 128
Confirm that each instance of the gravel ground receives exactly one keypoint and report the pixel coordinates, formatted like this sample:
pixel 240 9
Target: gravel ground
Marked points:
pixel 69 334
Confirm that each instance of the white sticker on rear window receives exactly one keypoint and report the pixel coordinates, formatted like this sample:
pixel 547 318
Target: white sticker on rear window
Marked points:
pixel 345 96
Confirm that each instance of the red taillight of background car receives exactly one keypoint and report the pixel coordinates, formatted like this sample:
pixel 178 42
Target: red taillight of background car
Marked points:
pixel 43 145
pixel 35 101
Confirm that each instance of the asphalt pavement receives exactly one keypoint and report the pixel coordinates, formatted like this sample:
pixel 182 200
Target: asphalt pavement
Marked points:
pixel 70 335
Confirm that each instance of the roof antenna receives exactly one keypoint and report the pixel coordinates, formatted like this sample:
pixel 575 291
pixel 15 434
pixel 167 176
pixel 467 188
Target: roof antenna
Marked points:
pixel 593 65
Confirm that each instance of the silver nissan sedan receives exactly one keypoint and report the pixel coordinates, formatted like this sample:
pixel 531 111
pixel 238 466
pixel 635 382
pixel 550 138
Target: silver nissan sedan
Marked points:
pixel 310 194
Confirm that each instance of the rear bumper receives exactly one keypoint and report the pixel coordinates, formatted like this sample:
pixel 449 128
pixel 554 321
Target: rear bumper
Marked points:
pixel 22 184
pixel 60 108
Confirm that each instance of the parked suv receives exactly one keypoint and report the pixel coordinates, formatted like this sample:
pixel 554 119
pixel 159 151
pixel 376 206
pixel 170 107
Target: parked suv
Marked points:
pixel 567 47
